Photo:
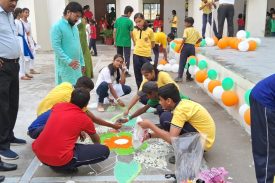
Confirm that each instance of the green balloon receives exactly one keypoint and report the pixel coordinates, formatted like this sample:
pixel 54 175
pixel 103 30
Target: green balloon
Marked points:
pixel 192 61
pixel 227 83
pixel 212 74
pixel 246 96
pixel 248 34
pixel 202 64
pixel 203 43
pixel 173 45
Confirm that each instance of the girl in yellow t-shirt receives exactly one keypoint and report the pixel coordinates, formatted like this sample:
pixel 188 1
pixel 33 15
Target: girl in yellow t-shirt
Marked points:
pixel 143 38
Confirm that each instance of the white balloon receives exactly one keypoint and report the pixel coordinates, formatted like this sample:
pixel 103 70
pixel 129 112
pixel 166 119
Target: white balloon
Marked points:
pixel 175 68
pixel 209 41
pixel 196 69
pixel 177 57
pixel 243 46
pixel 217 92
pixel 160 67
pixel 241 34
pixel 167 67
pixel 242 109
pixel 258 41
pixel 206 83
pixel 192 70
pixel 172 61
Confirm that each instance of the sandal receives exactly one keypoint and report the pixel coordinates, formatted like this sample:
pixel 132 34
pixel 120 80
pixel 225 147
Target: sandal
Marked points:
pixel 28 75
pixel 34 72
pixel 25 78
pixel 100 108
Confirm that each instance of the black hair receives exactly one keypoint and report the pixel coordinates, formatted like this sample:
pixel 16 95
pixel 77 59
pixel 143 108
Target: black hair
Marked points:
pixel 148 67
pixel 73 7
pixel 113 69
pixel 93 22
pixel 140 15
pixel 112 9
pixel 25 9
pixel 174 12
pixel 170 91
pixel 80 97
pixel 128 9
pixel 86 7
pixel 189 20
pixel 171 36
pixel 240 15
pixel 16 12
pixel 84 82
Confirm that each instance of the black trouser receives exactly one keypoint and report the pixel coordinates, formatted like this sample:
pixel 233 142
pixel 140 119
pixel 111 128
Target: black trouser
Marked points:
pixel 208 18
pixel 138 63
pixel 187 51
pixel 103 88
pixel 9 101
pixel 263 140
pixel 165 122
pixel 174 31
pixel 86 155
pixel 226 11
pixel 92 44
pixel 127 54
pixel 156 53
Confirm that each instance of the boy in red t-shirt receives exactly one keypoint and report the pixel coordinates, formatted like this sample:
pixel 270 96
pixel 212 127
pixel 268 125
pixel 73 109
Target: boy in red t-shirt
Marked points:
pixel 240 22
pixel 157 24
pixel 56 146
pixel 92 43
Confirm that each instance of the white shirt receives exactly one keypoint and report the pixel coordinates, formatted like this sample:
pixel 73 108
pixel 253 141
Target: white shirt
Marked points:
pixel 227 2
pixel 105 75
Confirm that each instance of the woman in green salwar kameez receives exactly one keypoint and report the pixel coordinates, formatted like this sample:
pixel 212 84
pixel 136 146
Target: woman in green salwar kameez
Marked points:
pixel 85 48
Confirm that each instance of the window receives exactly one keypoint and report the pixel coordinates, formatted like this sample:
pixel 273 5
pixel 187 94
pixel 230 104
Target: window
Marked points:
pixel 109 6
pixel 150 10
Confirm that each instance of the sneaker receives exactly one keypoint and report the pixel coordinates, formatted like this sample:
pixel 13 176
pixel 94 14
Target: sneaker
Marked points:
pixel 8 155
pixel 95 55
pixel 17 141
pixel 172 160
pixel 178 79
pixel 7 166
pixel 128 75
pixel 2 178
pixel 189 79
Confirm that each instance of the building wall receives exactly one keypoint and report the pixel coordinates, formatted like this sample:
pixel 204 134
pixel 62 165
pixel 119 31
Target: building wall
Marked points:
pixel 270 4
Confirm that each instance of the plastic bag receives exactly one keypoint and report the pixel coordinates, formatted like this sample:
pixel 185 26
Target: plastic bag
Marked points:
pixel 138 134
pixel 215 175
pixel 188 149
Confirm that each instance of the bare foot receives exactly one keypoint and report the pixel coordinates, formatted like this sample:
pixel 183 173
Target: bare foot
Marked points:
pixel 25 78
pixel 32 71
pixel 100 107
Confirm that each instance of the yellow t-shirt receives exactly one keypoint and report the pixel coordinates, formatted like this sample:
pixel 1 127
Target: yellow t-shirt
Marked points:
pixel 198 117
pixel 143 40
pixel 206 9
pixel 61 93
pixel 191 35
pixel 161 38
pixel 175 19
pixel 163 79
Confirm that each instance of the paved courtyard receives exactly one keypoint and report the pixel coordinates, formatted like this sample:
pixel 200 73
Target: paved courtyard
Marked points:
pixel 232 148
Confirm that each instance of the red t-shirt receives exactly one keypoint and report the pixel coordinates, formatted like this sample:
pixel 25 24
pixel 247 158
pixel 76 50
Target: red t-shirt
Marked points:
pixel 55 145
pixel 88 14
pixel 241 22
pixel 93 32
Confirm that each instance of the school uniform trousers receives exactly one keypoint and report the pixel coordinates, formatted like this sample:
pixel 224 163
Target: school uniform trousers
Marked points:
pixel 187 51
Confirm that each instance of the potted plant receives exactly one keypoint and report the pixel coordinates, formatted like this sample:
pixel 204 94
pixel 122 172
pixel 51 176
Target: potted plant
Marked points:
pixel 108 36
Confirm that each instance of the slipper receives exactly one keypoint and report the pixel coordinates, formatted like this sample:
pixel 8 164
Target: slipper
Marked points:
pixel 25 78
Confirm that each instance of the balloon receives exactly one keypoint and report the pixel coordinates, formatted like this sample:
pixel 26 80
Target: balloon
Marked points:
pixel 162 62
pixel 203 43
pixel 175 68
pixel 227 83
pixel 247 117
pixel 213 84
pixel 212 74
pixel 160 67
pixel 196 70
pixel 201 76
pixel 173 45
pixel 252 45
pixel 217 92
pixel 241 34
pixel 246 96
pixel 216 40
pixel 236 43
pixel 206 82
pixel 209 41
pixel 172 61
pixel 258 41
pixel 230 98
pixel 243 46
pixel 223 43
pixel 242 109
pixel 192 69
pixel 168 67
pixel 248 34
pixel 177 48
pixel 192 60
pixel 202 64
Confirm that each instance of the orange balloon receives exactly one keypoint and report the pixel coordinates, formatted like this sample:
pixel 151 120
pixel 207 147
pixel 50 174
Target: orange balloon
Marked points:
pixel 201 76
pixel 212 84
pixel 223 43
pixel 177 41
pixel 216 40
pixel 163 62
pixel 231 42
pixel 230 98
pixel 252 45
pixel 247 117
pixel 236 43
pixel 177 48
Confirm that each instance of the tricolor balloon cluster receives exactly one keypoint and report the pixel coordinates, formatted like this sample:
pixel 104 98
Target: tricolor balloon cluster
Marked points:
pixel 244 110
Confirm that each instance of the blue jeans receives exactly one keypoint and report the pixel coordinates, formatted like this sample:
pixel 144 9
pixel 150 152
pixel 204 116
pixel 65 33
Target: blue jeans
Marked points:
pixel 208 18
pixel 103 88
pixel 92 44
